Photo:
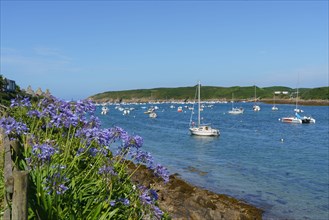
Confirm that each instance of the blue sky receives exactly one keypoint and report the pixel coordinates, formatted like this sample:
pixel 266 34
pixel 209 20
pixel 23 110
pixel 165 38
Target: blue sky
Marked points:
pixel 80 48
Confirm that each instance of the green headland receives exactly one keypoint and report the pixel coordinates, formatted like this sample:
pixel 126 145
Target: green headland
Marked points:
pixel 317 96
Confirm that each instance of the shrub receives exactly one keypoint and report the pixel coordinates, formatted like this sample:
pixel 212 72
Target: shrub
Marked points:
pixel 73 173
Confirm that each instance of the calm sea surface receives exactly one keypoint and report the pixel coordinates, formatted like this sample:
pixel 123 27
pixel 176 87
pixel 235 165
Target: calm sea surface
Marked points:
pixel 278 167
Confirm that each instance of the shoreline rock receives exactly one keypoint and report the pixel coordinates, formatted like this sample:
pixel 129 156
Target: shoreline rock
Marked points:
pixel 184 201
pixel 300 102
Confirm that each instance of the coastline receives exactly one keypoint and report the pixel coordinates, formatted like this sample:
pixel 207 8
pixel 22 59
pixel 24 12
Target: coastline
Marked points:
pixel 182 200
pixel 315 102
pixel 300 102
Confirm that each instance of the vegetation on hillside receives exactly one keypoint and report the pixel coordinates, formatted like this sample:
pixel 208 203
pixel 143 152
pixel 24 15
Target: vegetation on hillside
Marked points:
pixel 212 93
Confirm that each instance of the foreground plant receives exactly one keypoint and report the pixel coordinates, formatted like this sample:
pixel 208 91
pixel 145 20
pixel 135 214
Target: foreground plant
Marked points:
pixel 73 172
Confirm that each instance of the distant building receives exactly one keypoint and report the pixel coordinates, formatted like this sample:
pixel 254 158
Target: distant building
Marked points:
pixel 30 91
pixel 8 85
pixel 281 92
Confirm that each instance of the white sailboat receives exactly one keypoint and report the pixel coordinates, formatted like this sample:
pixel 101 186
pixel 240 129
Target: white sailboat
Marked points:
pixel 274 108
pixel 256 107
pixel 202 130
pixel 235 110
pixel 297 119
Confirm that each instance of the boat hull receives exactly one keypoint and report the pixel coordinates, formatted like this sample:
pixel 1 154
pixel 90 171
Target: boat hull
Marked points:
pixel 236 111
pixel 204 131
pixel 295 120
pixel 256 108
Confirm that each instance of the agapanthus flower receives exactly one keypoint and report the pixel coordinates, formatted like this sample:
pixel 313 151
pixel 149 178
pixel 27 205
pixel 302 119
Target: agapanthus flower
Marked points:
pixel 118 133
pixel 85 106
pixel 92 122
pixel 56 183
pixel 142 157
pixel 157 212
pixel 162 172
pixel 97 135
pixel 34 113
pixel 20 102
pixel 93 151
pixel 42 153
pixel 133 141
pixel 106 170
pixel 147 196
pixel 125 201
pixel 12 127
pixel 112 203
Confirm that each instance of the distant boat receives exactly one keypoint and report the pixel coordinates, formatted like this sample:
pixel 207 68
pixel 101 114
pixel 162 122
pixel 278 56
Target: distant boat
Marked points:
pixel 235 110
pixel 274 108
pixel 153 115
pixel 126 111
pixel 105 110
pixel 256 107
pixel 201 130
pixel 150 110
pixel 297 119
pixel 180 109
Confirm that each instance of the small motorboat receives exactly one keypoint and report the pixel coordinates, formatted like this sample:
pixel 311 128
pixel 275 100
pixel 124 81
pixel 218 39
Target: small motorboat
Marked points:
pixel 297 119
pixel 236 111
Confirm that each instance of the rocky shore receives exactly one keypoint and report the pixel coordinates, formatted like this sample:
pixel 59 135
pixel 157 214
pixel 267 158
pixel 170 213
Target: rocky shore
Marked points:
pixel 300 102
pixel 184 201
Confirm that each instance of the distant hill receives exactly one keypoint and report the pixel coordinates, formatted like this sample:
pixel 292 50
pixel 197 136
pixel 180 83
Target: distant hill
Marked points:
pixel 211 93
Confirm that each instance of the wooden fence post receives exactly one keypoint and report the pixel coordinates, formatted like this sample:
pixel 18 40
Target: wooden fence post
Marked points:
pixel 15 195
pixel 19 206
pixel 7 173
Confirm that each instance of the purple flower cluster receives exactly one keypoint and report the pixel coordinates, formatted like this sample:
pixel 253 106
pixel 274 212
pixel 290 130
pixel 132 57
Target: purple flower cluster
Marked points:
pixel 117 133
pixel 149 197
pixel 124 201
pixel 20 102
pixel 41 154
pixel 106 170
pixel 141 157
pixel 157 212
pixel 133 141
pixel 162 172
pixel 63 113
pixel 101 137
pixel 12 127
pixel 56 183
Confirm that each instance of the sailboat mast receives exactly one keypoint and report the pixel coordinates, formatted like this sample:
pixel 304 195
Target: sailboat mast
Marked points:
pixel 199 117
pixel 297 100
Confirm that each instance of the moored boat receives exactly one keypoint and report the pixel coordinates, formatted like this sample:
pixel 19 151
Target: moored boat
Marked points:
pixel 201 130
pixel 236 111
pixel 256 108
pixel 297 119
pixel 105 110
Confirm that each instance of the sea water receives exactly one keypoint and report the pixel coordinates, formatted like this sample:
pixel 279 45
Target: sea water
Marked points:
pixel 278 167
